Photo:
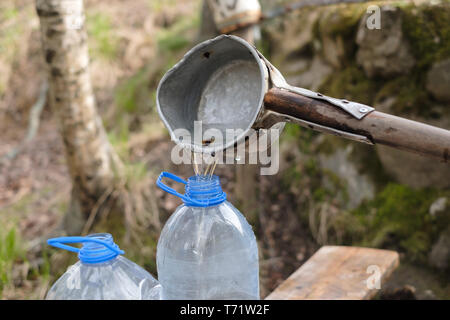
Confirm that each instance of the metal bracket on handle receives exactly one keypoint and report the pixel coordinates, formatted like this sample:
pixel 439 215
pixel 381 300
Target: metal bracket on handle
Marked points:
pixel 357 110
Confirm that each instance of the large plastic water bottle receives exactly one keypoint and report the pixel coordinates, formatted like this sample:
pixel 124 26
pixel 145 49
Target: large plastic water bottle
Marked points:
pixel 102 273
pixel 206 250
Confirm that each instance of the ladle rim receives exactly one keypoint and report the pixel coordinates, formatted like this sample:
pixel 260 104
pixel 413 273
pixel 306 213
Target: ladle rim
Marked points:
pixel 264 87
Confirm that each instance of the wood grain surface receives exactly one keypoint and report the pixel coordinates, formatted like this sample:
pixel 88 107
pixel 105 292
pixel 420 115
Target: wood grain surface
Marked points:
pixel 338 273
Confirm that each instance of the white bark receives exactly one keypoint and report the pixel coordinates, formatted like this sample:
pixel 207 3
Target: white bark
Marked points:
pixel 92 163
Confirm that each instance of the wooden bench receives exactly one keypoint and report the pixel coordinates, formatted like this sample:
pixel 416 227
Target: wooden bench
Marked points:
pixel 336 272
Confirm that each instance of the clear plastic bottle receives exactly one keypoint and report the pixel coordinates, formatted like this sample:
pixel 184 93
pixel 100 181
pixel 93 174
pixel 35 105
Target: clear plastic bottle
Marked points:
pixel 102 273
pixel 207 249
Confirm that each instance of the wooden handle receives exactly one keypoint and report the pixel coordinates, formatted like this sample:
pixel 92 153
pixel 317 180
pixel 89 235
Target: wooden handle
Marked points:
pixel 380 128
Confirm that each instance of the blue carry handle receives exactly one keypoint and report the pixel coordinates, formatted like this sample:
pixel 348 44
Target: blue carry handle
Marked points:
pixel 85 254
pixel 168 189
pixel 189 201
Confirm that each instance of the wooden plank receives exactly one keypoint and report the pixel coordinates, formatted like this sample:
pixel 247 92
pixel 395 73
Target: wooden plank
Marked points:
pixel 338 273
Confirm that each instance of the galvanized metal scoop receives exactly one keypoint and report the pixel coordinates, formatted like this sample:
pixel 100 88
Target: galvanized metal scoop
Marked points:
pixel 227 84
pixel 221 82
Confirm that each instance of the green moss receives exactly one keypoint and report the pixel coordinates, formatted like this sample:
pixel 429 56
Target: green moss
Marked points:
pixel 351 83
pixel 410 96
pixel 336 190
pixel 398 218
pixel 428 30
pixel 300 136
pixel 366 160
pixel 309 174
pixel 330 144
pixel 362 155
pixel 309 169
pixel 298 174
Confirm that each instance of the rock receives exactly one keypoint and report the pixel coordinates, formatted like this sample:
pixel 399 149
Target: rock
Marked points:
pixel 333 51
pixel 440 253
pixel 291 36
pixel 313 77
pixel 414 170
pixel 438 206
pixel 359 185
pixel 438 80
pixel 296 67
pixel 334 30
pixel 384 52
pixel 429 295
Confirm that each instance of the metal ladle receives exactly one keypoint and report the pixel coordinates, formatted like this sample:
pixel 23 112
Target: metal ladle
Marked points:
pixel 227 84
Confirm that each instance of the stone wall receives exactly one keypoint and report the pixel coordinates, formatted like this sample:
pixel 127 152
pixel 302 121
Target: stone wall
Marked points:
pixel 403 68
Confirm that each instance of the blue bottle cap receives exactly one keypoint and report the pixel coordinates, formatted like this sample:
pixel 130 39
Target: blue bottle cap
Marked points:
pixel 200 191
pixel 97 247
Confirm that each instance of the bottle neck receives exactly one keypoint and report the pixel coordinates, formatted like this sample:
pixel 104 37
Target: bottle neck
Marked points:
pixel 95 253
pixel 204 189
pixel 200 191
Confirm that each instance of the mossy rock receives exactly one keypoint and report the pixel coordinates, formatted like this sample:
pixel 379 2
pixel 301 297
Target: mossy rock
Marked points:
pixel 340 20
pixel 427 27
pixel 410 96
pixel 399 218
pixel 351 83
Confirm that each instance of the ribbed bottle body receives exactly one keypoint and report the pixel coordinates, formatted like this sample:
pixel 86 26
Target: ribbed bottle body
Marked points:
pixel 102 273
pixel 118 279
pixel 208 253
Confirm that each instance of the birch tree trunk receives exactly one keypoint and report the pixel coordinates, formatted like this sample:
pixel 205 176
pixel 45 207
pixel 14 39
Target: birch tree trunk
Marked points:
pixel 93 165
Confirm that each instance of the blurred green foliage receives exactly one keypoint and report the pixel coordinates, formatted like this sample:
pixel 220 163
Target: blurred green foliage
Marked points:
pixel 176 36
pixel 126 94
pixel 102 40
pixel 10 252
